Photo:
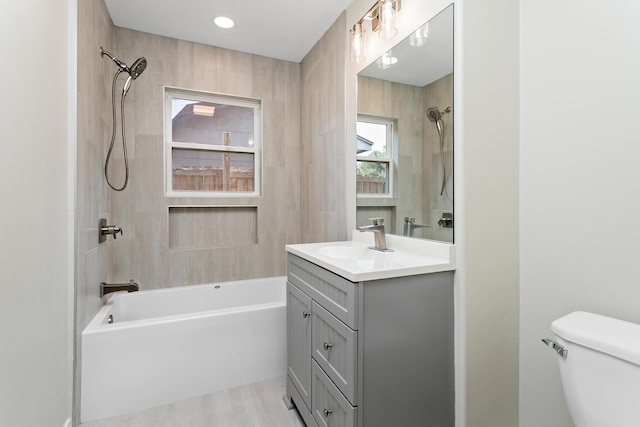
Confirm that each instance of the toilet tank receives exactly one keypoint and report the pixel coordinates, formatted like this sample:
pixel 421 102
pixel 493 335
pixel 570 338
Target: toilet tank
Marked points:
pixel 601 371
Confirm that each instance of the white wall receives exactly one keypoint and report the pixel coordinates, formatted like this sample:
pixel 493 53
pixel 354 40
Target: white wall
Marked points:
pixel 580 179
pixel 36 215
pixel 486 205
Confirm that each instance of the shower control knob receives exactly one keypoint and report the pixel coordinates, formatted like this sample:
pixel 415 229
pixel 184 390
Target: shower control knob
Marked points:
pixel 104 230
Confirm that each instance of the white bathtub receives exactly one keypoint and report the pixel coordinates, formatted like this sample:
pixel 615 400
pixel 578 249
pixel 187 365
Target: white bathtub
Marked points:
pixel 172 344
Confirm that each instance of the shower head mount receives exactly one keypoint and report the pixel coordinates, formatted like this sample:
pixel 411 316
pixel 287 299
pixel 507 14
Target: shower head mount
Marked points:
pixel 122 65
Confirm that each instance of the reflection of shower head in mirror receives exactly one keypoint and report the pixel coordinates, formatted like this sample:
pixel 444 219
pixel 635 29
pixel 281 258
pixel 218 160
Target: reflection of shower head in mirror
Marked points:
pixel 434 114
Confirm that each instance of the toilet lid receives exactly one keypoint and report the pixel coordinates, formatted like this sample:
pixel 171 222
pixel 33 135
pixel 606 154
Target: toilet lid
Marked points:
pixel 615 337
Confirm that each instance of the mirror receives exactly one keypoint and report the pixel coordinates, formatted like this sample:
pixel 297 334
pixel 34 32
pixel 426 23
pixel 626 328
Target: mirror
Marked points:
pixel 404 142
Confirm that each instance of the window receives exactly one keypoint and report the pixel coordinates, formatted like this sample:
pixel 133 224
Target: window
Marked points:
pixel 374 169
pixel 212 144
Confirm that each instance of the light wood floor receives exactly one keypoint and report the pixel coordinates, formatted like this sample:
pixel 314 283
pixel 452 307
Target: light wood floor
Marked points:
pixel 254 405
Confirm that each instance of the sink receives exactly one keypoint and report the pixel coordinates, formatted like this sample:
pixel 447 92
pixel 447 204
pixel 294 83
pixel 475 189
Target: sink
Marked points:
pixel 346 252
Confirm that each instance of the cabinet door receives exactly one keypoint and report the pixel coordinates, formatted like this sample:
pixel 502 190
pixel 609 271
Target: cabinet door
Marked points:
pixel 299 341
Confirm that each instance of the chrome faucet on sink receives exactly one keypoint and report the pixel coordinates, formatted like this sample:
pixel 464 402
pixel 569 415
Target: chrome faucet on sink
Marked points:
pixel 378 234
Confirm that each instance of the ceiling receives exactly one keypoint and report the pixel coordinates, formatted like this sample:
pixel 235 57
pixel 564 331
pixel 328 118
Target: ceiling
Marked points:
pixel 281 29
pixel 419 66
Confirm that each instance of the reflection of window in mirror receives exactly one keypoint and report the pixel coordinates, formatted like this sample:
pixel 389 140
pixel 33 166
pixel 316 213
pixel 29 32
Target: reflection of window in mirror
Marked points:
pixel 212 144
pixel 374 156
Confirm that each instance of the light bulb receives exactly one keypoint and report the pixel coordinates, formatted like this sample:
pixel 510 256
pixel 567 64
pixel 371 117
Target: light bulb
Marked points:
pixel 387 16
pixel 357 44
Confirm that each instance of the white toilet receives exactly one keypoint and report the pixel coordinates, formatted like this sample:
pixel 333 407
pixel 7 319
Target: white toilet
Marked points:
pixel 600 369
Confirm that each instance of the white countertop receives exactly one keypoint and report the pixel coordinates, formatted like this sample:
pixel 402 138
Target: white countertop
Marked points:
pixel 355 262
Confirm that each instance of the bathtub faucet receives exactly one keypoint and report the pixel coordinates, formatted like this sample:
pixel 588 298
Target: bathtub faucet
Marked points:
pixel 107 288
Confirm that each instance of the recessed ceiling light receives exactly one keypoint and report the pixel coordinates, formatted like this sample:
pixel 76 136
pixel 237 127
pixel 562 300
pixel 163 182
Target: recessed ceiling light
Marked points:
pixel 223 22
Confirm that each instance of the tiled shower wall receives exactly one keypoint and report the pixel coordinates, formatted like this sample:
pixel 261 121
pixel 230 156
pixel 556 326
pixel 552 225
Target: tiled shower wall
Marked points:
pixel 93 261
pixel 94 129
pixel 142 210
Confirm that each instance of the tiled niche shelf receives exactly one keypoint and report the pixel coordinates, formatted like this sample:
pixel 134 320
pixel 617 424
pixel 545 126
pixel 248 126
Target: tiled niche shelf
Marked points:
pixel 201 227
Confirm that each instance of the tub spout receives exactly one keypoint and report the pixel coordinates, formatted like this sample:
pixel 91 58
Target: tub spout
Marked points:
pixel 107 288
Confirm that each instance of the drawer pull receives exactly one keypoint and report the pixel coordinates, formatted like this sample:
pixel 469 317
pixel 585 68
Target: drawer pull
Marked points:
pixel 306 314
pixel 327 412
pixel 327 346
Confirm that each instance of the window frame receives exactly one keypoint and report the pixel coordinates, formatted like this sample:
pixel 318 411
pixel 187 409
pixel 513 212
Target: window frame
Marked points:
pixel 171 93
pixel 389 159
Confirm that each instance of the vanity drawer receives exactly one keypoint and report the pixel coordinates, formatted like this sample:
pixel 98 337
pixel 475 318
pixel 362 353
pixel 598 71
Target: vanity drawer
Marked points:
pixel 334 293
pixel 329 407
pixel 334 348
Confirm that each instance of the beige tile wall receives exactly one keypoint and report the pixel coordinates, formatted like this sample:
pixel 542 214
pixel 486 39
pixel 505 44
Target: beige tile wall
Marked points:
pixel 323 214
pixel 292 201
pixel 93 261
pixel 143 254
pixel 213 226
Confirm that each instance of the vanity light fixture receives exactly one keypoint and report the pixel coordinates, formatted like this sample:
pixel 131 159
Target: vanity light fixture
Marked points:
pixel 357 43
pixel 383 20
pixel 223 22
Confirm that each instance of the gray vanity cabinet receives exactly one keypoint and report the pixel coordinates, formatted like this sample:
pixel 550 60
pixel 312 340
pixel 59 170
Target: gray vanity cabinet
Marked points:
pixel 299 332
pixel 370 354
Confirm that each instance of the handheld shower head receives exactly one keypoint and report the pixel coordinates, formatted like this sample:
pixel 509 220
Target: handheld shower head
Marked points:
pixel 134 71
pixel 434 114
pixel 137 68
